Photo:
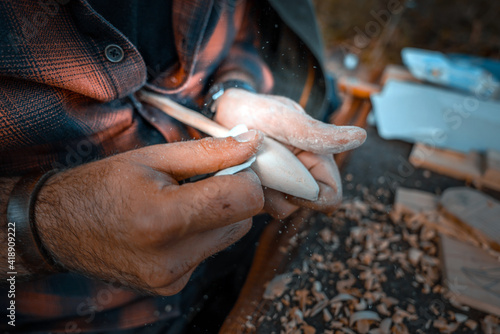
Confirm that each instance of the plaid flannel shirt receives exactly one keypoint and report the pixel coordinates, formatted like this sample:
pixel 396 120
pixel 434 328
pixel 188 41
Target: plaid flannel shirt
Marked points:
pixel 63 103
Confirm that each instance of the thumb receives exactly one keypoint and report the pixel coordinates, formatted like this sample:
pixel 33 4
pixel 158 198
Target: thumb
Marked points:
pixel 186 159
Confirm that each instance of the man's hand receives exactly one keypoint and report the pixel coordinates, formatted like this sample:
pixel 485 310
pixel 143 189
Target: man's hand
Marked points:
pixel 127 218
pixel 312 141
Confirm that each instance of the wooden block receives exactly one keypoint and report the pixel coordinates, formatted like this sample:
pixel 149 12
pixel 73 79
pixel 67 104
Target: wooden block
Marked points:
pixel 424 207
pixel 451 163
pixel 414 201
pixel 397 72
pixel 491 176
pixel 475 211
pixel 471 274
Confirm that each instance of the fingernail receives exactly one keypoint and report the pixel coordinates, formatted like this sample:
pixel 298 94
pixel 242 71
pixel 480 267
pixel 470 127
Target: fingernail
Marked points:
pixel 246 136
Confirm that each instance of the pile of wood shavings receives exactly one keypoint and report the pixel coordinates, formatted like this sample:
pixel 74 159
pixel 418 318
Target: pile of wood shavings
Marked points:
pixel 361 272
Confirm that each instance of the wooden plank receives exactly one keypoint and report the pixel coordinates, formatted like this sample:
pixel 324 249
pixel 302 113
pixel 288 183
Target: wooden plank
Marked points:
pixel 454 164
pixel 476 212
pixel 424 206
pixel 414 201
pixel 471 274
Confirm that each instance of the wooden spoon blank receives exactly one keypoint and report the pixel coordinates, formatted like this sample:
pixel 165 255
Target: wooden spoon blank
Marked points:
pixel 277 167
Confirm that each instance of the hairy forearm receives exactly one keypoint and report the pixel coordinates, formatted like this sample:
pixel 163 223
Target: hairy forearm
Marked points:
pixel 6 263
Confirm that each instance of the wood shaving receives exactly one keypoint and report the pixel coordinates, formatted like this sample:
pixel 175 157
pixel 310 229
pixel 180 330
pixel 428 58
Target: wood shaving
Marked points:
pixel 277 286
pixel 363 272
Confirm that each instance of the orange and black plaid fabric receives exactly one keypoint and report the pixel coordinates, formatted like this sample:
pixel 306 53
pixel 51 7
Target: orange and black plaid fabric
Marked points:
pixel 63 103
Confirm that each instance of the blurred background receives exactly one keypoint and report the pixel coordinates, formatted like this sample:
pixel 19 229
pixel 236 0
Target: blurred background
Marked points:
pixel 460 26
